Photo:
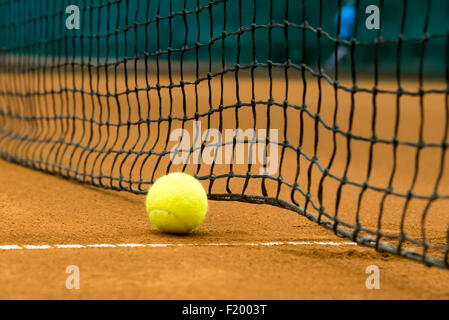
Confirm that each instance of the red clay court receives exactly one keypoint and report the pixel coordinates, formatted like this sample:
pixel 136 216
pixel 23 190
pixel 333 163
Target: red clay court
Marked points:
pixel 360 151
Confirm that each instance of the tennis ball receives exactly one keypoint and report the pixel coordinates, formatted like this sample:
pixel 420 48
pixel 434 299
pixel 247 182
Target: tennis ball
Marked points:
pixel 176 203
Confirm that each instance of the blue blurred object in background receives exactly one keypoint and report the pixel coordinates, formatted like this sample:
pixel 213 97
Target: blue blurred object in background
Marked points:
pixel 347 21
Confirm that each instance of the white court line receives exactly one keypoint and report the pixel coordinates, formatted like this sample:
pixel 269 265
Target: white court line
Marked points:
pixel 272 243
pixel 163 245
pixel 130 245
pixel 222 244
pixel 69 246
pixel 101 245
pixel 156 245
pixel 321 243
pixel 10 247
pixel 34 247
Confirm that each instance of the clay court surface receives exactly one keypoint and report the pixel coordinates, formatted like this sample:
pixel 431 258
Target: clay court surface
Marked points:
pixel 242 251
pixel 35 211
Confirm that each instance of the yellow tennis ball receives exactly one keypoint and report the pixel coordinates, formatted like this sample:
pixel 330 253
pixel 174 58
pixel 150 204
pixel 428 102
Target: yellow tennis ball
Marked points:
pixel 176 203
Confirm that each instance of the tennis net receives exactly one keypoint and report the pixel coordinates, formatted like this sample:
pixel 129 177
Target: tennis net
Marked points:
pixel 296 104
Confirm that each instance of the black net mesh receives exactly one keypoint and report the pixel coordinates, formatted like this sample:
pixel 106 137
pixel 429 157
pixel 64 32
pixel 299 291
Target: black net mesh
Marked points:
pixel 277 102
